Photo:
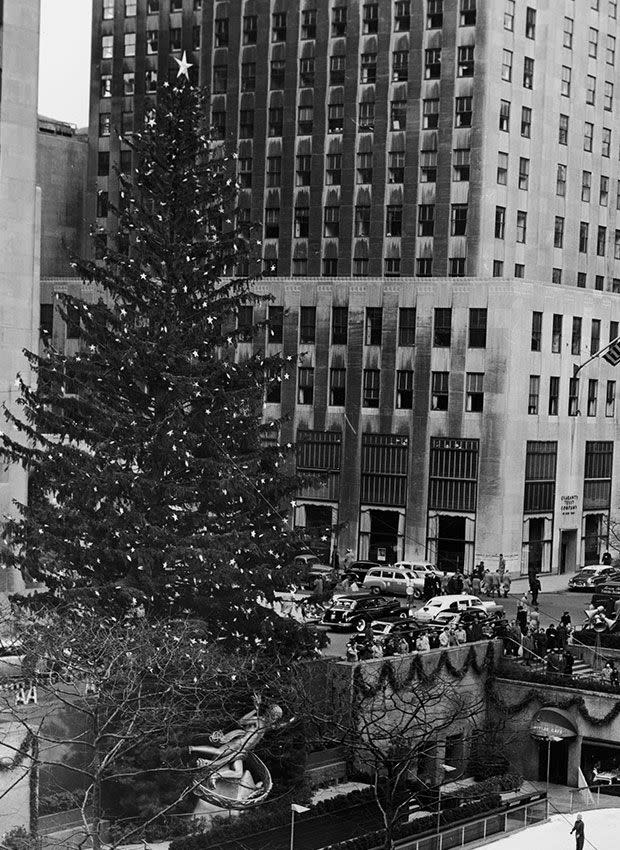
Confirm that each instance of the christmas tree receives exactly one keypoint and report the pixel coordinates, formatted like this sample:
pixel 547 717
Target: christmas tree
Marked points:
pixel 149 480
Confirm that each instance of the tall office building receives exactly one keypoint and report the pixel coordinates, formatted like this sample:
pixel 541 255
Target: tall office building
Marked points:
pixel 438 185
pixel 19 219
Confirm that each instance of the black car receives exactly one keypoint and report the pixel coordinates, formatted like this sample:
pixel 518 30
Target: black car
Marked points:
pixel 607 595
pixel 356 610
pixel 491 624
pixel 356 571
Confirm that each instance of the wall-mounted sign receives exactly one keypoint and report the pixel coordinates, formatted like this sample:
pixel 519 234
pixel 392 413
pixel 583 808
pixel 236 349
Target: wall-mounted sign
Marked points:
pixel 569 510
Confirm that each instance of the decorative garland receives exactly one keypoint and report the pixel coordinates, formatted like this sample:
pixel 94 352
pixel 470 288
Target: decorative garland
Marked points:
pixel 535 695
pixel 25 749
pixel 388 675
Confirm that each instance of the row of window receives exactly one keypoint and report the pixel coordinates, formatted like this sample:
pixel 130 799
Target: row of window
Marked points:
pixel 553 398
pixel 590 87
pixel 557 326
pixel 371 389
pixel 152 7
pixel 373 325
pixel 401 22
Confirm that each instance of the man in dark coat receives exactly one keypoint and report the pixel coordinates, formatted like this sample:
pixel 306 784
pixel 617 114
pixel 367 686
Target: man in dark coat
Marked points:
pixel 534 588
pixel 579 831
pixel 429 587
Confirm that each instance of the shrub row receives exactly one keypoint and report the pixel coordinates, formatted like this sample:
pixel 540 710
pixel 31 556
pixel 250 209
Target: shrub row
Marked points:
pixel 63 801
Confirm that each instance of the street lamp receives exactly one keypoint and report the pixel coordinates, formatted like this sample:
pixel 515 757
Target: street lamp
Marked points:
pixel 447 768
pixel 554 739
pixel 295 807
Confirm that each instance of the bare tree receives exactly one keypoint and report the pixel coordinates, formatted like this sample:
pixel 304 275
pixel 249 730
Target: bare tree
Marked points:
pixel 391 718
pixel 139 694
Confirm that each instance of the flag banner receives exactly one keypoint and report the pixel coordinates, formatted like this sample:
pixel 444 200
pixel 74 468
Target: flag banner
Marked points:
pixel 612 355
pixel 299 809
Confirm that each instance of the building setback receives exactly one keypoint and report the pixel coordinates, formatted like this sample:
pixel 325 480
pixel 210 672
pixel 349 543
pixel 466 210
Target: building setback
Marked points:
pixel 19 221
pixel 428 175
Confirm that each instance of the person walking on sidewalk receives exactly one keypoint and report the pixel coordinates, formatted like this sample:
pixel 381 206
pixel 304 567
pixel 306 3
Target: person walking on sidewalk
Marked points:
pixel 501 567
pixel 506 582
pixel 579 831
pixel 534 588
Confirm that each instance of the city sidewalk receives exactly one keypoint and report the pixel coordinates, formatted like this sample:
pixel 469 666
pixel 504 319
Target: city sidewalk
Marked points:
pixel 549 584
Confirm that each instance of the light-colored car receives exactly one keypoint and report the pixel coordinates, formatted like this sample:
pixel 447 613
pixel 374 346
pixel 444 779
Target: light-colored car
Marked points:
pixel 592 576
pixel 420 567
pixel 393 580
pixel 462 602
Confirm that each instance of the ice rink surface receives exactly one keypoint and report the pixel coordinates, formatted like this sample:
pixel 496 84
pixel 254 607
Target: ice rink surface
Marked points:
pixel 602 832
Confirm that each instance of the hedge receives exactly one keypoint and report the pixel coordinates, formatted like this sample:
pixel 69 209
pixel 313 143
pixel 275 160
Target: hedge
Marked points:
pixel 258 821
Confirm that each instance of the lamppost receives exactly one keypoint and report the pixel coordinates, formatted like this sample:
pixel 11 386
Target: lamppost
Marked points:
pixel 295 807
pixel 550 739
pixel 447 768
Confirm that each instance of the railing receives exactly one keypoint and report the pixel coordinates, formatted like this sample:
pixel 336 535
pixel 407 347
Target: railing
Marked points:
pixel 514 819
pixel 519 672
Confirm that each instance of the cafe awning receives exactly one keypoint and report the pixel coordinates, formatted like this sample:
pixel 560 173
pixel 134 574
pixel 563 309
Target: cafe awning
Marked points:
pixel 550 722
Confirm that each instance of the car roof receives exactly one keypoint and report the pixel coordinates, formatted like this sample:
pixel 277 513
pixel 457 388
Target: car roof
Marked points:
pixel 357 594
pixel 455 597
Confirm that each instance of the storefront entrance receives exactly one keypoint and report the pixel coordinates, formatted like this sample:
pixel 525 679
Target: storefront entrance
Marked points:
pixel 568 550
pixel 381 535
pixel 558 762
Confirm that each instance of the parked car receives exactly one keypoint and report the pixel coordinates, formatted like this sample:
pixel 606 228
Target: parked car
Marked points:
pixel 455 604
pixel 393 580
pixel 356 571
pixel 408 627
pixel 489 622
pixel 420 567
pixel 317 570
pixel 607 595
pixel 592 576
pixel 356 610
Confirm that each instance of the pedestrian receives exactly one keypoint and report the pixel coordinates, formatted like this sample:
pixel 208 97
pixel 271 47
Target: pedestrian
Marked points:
pixel 452 637
pixel 318 589
pixel 552 638
pixel 569 660
pixel 614 681
pixel 606 559
pixel 542 642
pixel 522 618
pixel 403 646
pixel 429 587
pixel 561 636
pixel 481 570
pixel 451 586
pixel 528 649
pixel 460 635
pixel 501 568
pixel 476 585
pixel 389 647
pixel 495 583
pixel 487 582
pixel 535 588
pixel 606 674
pixel 348 559
pixel 422 643
pixel 515 635
pixel 525 600
pixel 352 653
pixel 535 618
pixel 458 582
pixel 438 581
pixel 336 561
pixel 579 831
pixel 565 619
pixel 444 638
pixel 506 582
pixel 467 585
pixel 410 591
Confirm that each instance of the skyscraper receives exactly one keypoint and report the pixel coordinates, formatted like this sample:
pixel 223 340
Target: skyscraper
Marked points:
pixel 391 149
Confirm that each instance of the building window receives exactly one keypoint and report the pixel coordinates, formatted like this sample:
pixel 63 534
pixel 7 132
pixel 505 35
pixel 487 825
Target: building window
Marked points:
pixel 308 24
pixel 558 232
pixel 554 396
pixel 337 70
pixel 590 89
pixel 278 27
pixel 477 337
pixel 340 323
pixel 337 387
pixel 129 83
pixel 250 29
pixel 107 46
pixel 398 115
pixel 586 186
pixel 613 9
pixel 434 15
pixel 592 42
pixel 563 130
pixel 302 222
pixel 610 51
pixel 432 63
pixel 360 267
pixel 588 136
pixel 368 68
pixel 370 18
pixel 536 331
pixel 463 111
pixel 307 325
pixel 595 336
pixel 608 96
pixel 220 32
pixel 617 245
pixel 530 22
pixel 400 66
pixel 245 172
pixel 610 399
pixel 272 223
pixel 374 325
pixel 502 168
pixel 458 220
pixel 108 10
pixel 601 237
pixel 474 393
pixel 613 331
pixel 556 334
pixel 150 81
pixel 371 384
pixel 504 116
pixel 406 326
pixel 460 164
pixel 152 42
pixel 592 397
pixel 333 169
pixel 277 76
pixel 526 122
pixel 509 15
pixel 366 117
pixel 339 21
pixel 391 267
pixel 404 389
pixel 606 142
pixel 573 396
pixel 575 345
pixel 426 219
pixel 519 270
pixel 500 222
pixel 498 268
pixel 305 385
pixel 274 171
pixel 534 395
pixel 439 390
pixel 396 167
pixel 424 266
pixel 556 276
pixel 524 173
pixel 331 222
pixel 540 471
pixel 245 323
pixel 521 226
pixel 220 79
pixel 430 114
pixel 456 267
pixel 603 195
pixel 175 39
pixel 335 117
pixel 246 123
pixel 442 332
pixel 130 44
pixel 599 281
pixel 467 17
pixel 303 166
pixel 102 204
pixel 507 65
pixel 565 83
pixel 105 86
pixel 528 73
pixel 275 325
pixel 306 72
pixel 465 62
pixel 300 267
pixel 362 220
pixel 567 39
pixel 394 221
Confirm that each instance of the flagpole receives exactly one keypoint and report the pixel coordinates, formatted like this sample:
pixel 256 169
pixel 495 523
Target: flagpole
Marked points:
pixel 577 369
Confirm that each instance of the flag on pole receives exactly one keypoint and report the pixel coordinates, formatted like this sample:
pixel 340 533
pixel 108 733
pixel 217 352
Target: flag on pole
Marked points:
pixel 612 355
pixel 299 809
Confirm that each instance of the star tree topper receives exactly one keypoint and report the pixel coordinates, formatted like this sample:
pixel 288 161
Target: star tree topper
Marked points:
pixel 184 66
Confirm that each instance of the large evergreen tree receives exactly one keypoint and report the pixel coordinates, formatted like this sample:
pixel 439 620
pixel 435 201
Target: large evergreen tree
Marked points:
pixel 148 478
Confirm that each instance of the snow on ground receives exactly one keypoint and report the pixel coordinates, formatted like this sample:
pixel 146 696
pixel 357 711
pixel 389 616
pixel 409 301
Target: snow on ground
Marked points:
pixel 336 791
pixel 601 833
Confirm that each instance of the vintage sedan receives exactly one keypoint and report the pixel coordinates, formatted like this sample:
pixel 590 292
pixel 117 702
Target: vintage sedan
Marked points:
pixel 357 610
pixel 590 577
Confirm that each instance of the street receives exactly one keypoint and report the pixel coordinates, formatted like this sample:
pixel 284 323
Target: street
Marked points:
pixel 551 606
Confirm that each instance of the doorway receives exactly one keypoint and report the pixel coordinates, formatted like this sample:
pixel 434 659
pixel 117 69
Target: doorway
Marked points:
pixel 383 540
pixel 319 529
pixel 451 543
pixel 558 761
pixel 568 551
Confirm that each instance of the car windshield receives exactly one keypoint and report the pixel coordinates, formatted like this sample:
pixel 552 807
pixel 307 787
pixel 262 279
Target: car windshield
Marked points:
pixel 588 572
pixel 345 604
